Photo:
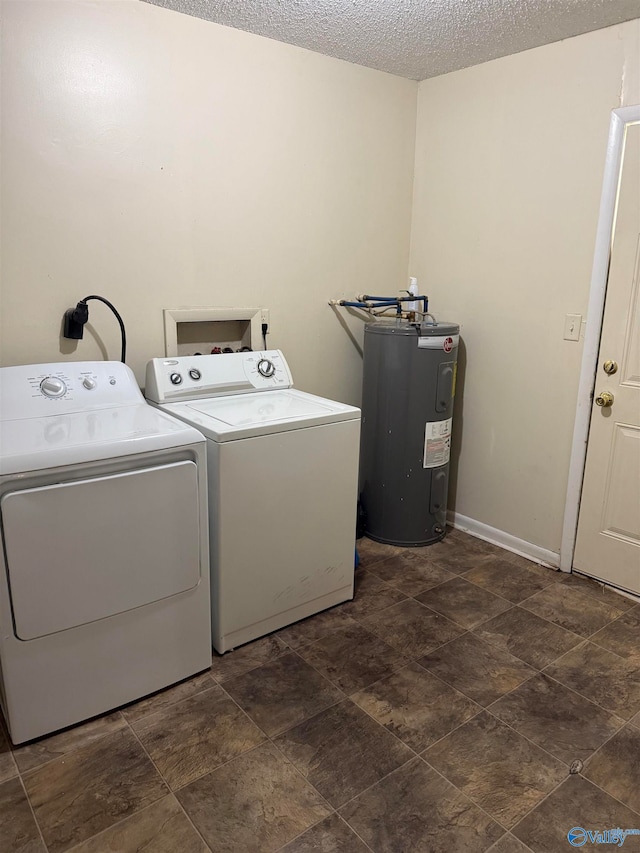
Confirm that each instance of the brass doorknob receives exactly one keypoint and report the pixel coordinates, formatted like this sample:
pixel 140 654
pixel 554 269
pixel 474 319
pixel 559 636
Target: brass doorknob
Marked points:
pixel 604 399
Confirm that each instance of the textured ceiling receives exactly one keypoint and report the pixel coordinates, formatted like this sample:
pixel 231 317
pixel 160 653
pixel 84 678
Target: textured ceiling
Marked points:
pixel 413 38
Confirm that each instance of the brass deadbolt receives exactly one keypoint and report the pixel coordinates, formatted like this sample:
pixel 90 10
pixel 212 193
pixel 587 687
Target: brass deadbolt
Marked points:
pixel 610 367
pixel 604 399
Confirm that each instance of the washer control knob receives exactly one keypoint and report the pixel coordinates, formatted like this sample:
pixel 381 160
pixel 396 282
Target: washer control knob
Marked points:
pixel 89 383
pixel 195 374
pixel 176 379
pixel 266 368
pixel 53 387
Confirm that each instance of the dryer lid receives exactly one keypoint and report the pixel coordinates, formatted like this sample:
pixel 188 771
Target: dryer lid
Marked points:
pixel 70 439
pixel 69 413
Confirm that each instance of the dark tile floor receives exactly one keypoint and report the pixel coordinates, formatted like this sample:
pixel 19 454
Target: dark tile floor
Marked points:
pixel 444 709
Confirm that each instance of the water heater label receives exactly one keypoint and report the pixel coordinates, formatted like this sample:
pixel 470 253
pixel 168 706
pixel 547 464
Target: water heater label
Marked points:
pixel 437 443
pixel 444 342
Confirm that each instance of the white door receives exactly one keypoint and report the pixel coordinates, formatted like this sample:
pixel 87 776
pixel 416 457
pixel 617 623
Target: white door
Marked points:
pixel 608 541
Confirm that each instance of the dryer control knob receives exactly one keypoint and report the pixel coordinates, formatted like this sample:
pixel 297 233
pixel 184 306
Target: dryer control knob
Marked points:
pixel 53 387
pixel 176 379
pixel 266 368
pixel 195 374
pixel 89 383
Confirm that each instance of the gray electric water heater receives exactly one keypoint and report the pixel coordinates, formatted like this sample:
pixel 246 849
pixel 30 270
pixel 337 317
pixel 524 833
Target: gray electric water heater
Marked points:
pixel 408 388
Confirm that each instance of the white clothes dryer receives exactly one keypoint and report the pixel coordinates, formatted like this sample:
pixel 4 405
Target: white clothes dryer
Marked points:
pixel 283 482
pixel 104 584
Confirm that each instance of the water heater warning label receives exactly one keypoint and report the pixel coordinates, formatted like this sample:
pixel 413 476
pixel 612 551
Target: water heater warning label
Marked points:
pixel 437 443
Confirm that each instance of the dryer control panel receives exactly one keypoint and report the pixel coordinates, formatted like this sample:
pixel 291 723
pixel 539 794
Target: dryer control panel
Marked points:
pixel 190 377
pixel 40 390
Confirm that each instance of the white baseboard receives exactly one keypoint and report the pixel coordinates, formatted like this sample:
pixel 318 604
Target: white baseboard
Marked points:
pixel 504 540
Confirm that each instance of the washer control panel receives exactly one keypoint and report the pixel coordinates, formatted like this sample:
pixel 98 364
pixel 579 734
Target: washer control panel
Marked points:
pixel 196 376
pixel 38 390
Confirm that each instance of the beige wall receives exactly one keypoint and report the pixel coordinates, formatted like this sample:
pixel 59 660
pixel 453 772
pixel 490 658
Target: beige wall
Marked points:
pixel 163 161
pixel 509 166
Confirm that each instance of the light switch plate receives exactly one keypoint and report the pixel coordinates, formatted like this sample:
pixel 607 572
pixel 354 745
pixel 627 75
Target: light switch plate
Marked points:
pixel 572 325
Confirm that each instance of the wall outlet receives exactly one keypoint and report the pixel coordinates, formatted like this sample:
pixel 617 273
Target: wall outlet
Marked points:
pixel 572 326
pixel 264 315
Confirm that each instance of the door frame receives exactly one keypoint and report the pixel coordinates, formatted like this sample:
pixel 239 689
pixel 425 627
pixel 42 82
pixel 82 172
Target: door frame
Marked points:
pixel 620 119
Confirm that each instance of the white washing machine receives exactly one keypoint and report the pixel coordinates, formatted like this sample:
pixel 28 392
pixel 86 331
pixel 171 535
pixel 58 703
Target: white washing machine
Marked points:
pixel 283 482
pixel 104 584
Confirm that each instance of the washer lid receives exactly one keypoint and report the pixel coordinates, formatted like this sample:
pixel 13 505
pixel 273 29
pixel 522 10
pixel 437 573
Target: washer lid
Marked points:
pixel 248 415
pixel 74 438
